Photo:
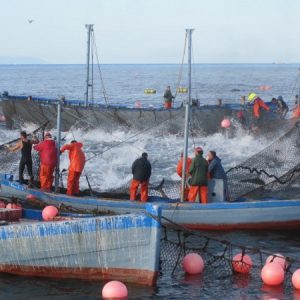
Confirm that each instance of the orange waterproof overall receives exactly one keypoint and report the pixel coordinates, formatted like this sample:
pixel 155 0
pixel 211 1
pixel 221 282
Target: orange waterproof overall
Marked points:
pixel 134 188
pixel 179 172
pixel 46 177
pixel 201 190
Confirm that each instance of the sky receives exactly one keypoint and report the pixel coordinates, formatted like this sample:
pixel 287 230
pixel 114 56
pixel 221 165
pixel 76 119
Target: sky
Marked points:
pixel 151 31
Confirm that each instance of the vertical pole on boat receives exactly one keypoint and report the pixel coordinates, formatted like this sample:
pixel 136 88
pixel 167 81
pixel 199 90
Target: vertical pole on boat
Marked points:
pixel 58 137
pixel 187 115
pixel 89 28
pixel 298 104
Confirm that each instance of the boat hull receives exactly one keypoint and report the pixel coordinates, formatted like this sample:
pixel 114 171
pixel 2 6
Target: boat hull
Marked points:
pixel 123 247
pixel 265 214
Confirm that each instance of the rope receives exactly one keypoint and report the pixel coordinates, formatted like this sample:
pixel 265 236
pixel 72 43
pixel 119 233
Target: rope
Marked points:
pixel 181 68
pixel 99 70
pixel 133 136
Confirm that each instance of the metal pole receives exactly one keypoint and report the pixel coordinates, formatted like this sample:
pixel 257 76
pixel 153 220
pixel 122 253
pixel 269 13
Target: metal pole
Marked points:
pixel 89 30
pixel 298 101
pixel 187 116
pixel 58 136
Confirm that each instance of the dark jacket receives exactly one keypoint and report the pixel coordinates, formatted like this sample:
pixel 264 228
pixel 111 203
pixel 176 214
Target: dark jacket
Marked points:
pixel 168 96
pixel 199 171
pixel 141 169
pixel 216 170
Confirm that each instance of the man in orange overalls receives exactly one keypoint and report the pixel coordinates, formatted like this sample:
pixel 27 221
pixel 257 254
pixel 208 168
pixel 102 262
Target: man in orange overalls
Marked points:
pixel 77 162
pixel 48 158
pixel 141 171
pixel 258 104
pixel 179 172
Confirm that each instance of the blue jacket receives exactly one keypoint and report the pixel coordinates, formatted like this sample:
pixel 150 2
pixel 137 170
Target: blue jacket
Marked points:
pixel 216 170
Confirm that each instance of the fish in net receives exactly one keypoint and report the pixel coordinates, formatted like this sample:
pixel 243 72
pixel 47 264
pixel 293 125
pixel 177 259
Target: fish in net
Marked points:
pixel 275 167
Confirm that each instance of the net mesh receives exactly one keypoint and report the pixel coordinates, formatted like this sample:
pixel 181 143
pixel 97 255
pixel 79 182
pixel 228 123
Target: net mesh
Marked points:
pixel 9 161
pixel 274 168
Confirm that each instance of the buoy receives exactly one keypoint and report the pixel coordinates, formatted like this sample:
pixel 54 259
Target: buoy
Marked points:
pixel 114 290
pixel 13 206
pixel 193 264
pixel 296 279
pixel 138 104
pixel 242 263
pixel 31 197
pixel 2 204
pixel 272 274
pixel 182 90
pixel 278 258
pixel 225 123
pixel 49 213
pixel 149 91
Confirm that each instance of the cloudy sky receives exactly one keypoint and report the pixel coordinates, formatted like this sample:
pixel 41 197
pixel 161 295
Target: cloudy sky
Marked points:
pixel 152 31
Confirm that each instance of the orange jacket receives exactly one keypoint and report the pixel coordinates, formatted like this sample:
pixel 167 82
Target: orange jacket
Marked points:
pixel 258 104
pixel 296 112
pixel 76 156
pixel 180 166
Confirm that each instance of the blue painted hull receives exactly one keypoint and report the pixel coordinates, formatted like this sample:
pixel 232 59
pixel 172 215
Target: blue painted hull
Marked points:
pixel 264 214
pixel 124 247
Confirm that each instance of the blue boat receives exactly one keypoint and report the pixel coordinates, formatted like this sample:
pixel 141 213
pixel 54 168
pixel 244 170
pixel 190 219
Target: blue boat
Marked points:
pixel 216 215
pixel 124 247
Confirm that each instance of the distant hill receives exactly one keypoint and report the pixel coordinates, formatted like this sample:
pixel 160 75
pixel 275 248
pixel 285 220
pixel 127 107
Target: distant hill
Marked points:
pixel 7 60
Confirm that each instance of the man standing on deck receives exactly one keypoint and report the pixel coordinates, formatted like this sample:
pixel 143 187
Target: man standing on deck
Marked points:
pixel 199 179
pixel 282 107
pixel 187 169
pixel 77 162
pixel 141 170
pixel 48 158
pixel 168 97
pixel 25 145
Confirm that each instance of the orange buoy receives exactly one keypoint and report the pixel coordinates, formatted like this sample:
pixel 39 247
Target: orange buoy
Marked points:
pixel 31 197
pixel 278 258
pixel 225 123
pixel 272 274
pixel 296 279
pixel 114 290
pixel 49 213
pixel 2 204
pixel 242 263
pixel 193 264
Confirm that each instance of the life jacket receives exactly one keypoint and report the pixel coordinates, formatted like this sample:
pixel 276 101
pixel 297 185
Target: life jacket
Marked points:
pixel 48 152
pixel 296 112
pixel 180 166
pixel 258 104
pixel 76 156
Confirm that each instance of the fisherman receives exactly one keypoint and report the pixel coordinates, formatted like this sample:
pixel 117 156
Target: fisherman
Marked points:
pixel 199 177
pixel 179 172
pixel 257 105
pixel 25 146
pixel 48 157
pixel 282 107
pixel 77 162
pixel 296 109
pixel 168 97
pixel 141 170
pixel 216 170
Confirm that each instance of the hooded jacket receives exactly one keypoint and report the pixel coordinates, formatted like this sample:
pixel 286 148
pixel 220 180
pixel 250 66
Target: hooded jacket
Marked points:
pixel 76 156
pixel 48 152
pixel 199 171
pixel 216 169
pixel 141 169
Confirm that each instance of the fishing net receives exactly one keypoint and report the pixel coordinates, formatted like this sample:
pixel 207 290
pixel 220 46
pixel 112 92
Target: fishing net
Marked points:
pixel 219 259
pixel 9 161
pixel 274 168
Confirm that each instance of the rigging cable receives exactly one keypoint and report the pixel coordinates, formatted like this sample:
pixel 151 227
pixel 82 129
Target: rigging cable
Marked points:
pixel 181 67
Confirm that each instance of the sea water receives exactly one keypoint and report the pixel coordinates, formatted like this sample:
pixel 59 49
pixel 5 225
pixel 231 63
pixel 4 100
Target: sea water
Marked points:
pixel 124 84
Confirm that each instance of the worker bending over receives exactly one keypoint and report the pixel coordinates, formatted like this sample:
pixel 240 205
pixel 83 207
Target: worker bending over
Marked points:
pixel 77 162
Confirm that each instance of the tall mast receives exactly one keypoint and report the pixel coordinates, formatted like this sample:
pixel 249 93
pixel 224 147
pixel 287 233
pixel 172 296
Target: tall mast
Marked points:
pixel 58 135
pixel 187 115
pixel 89 28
